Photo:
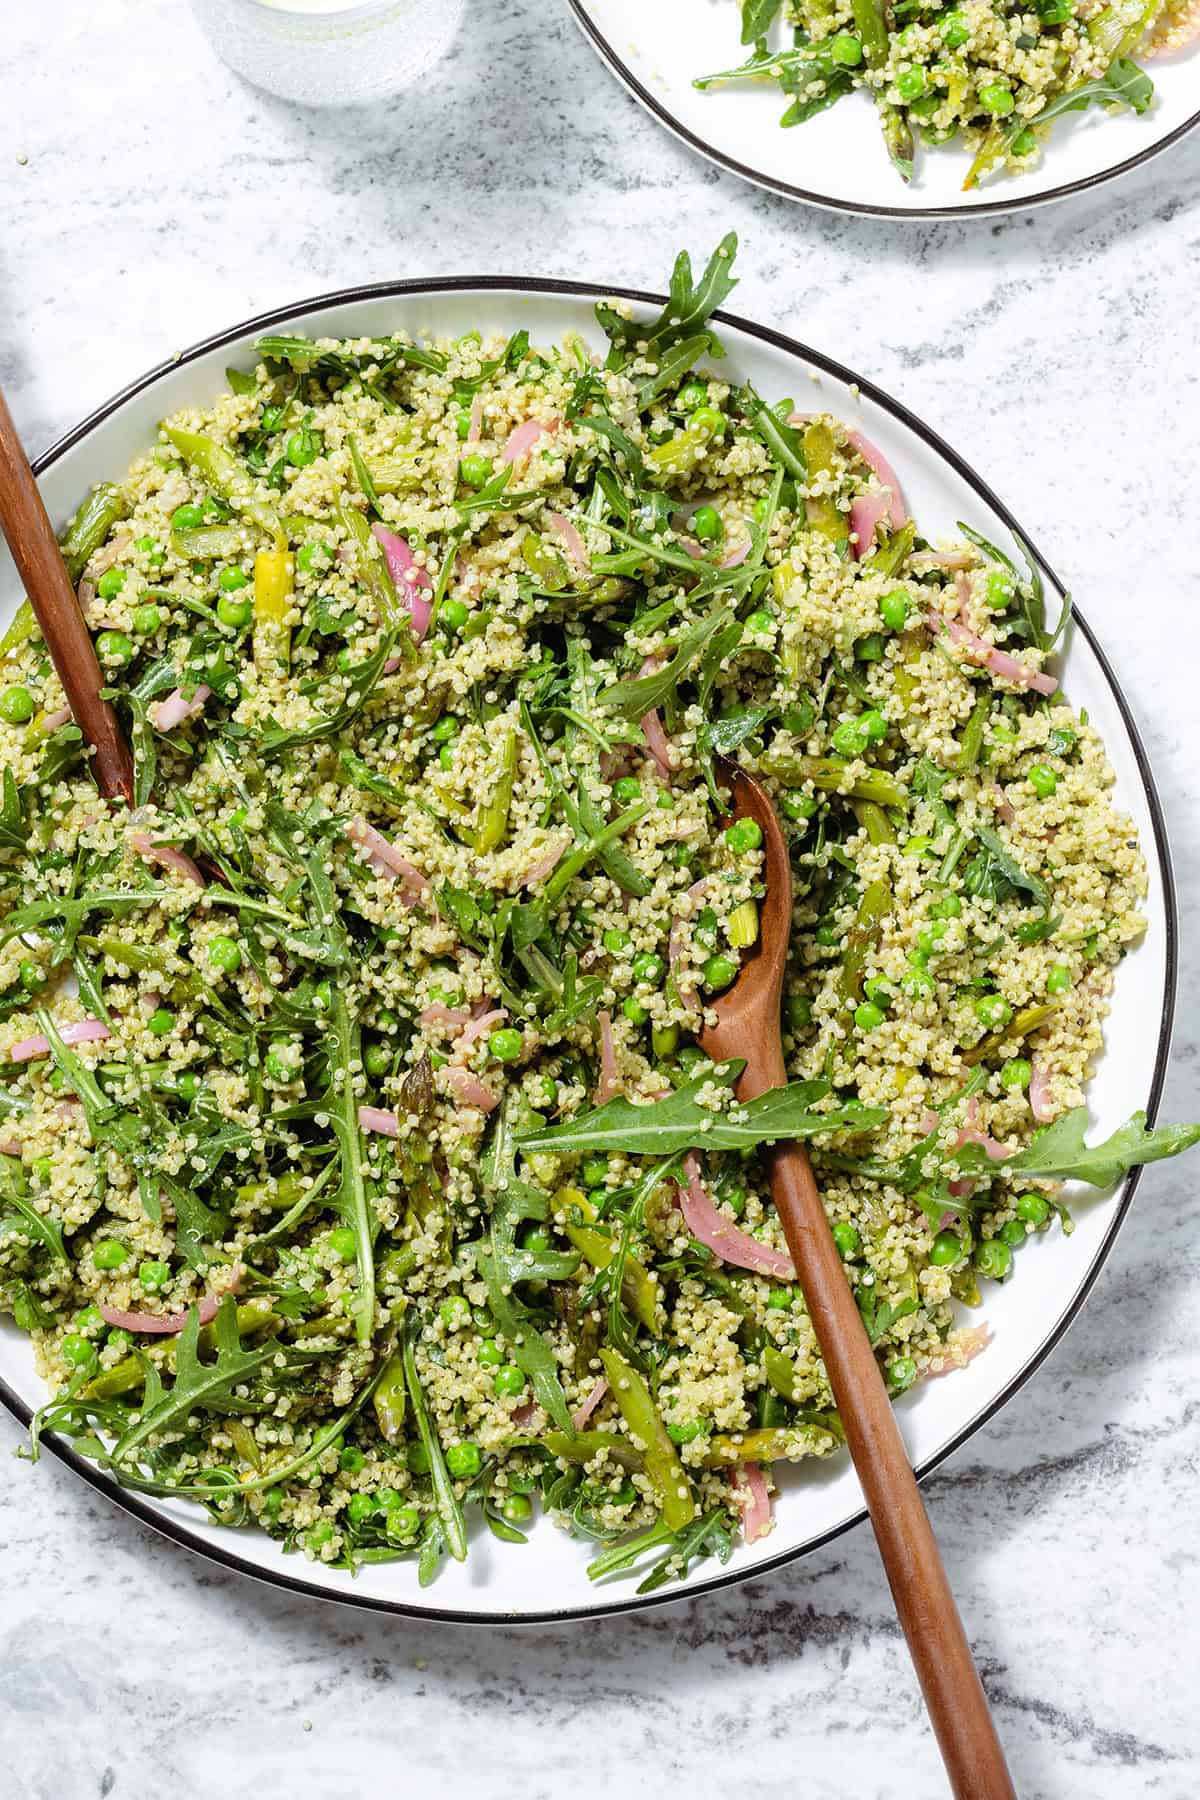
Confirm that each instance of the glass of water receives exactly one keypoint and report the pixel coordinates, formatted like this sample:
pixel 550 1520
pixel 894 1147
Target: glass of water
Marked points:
pixel 330 52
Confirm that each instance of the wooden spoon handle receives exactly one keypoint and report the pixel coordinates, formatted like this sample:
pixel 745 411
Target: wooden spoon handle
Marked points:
pixel 941 1654
pixel 44 576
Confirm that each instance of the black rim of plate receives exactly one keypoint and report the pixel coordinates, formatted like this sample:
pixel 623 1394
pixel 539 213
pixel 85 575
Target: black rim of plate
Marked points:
pixel 244 334
pixel 771 184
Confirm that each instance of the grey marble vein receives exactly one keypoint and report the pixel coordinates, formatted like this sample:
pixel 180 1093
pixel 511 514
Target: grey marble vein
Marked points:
pixel 1057 351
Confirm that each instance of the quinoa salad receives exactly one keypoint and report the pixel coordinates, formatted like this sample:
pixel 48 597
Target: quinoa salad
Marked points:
pixel 361 1177
pixel 990 73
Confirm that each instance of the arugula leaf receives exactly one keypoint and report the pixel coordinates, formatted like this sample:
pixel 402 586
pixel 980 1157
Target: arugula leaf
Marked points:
pixel 450 1513
pixel 351 1202
pixel 681 1122
pixel 780 440
pixel 1059 1153
pixel 47 1232
pixel 197 1384
pixel 709 1535
pixel 503 1265
pixel 1011 870
pixel 1030 589
pixel 757 18
pixel 1122 84
pixel 14 833
pixel 689 305
pixel 634 699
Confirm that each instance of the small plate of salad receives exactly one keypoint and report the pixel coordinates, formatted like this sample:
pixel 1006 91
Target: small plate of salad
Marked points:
pixel 910 108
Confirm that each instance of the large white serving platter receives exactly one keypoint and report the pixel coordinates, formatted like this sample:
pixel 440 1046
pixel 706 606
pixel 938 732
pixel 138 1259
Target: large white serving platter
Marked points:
pixel 837 159
pixel 1029 1313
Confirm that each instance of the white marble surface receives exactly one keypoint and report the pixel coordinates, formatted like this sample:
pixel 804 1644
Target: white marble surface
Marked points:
pixel 160 199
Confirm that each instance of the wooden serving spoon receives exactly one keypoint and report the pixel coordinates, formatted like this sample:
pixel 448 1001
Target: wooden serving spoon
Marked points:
pixel 748 1027
pixel 43 573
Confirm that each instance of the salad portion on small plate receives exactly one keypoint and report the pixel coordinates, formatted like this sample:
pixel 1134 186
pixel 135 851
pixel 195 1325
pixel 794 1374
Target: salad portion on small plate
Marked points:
pixel 913 108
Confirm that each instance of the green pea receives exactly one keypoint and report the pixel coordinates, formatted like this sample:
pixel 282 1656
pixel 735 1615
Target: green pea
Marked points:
pixel 151 549
pixel 878 990
pixel 489 1354
pixel 870 648
pixel 850 738
pixel 875 726
pixel 996 99
pixel 1013 1233
pixel 779 1298
pixel 709 421
pixel 402 1523
pixel 744 835
pixel 948 907
pixel 664 1040
pixel 343 1241
pixel 223 953
pixel 351 1460
pixel 594 1171
pixel 360 1508
pixel 1016 1075
pixel 516 1510
pixel 930 938
pixel 868 1016
pixel 915 984
pixel 475 470
pixel 447 727
pixel 31 975
pixel 160 1022
pixel 508 1380
pixel 147 619
pixel 706 525
pixel 827 934
pixel 634 1011
pixel 901 1373
pixel 77 1351
pixel 797 806
pixel 231 579
pixel 688 1431
pixel 506 1044
pixel 947 1249
pixel 314 555
pixel 114 647
pixel 377 1059
pixel 16 706
pixel 628 790
pixel 910 84
pixel 280 1067
pixel 847 50
pixel 993 1257
pixel 464 1460
pixel 955 31
pixel 761 509
pixel 188 1085
pixel 91 1319
pixel 303 448
pixel 1058 980
pixel 797 1010
pixel 318 1536
pixel 1033 1208
pixel 43 1169
pixel 719 971
pixel 1023 144
pixel 446 757
pixel 917 846
pixel 234 613
pixel 648 967
pixel 1042 780
pixel 893 610
pixel 109 1254
pixel 110 583
pixel 846 1237
pixel 760 623
pixel 691 395
pixel 116 1339
pixel 154 1276
pixel 455 1312
pixel 615 940
pixel 187 517
pixel 993 1010
pixel 454 614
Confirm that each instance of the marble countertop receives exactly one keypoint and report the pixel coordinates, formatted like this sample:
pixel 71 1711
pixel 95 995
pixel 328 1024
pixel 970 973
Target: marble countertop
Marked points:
pixel 148 197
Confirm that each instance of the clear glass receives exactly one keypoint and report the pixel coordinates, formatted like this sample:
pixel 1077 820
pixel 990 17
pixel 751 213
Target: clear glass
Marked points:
pixel 330 52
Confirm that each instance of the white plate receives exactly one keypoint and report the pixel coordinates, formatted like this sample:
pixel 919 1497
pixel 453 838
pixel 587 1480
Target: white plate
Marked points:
pixel 837 159
pixel 1029 1313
